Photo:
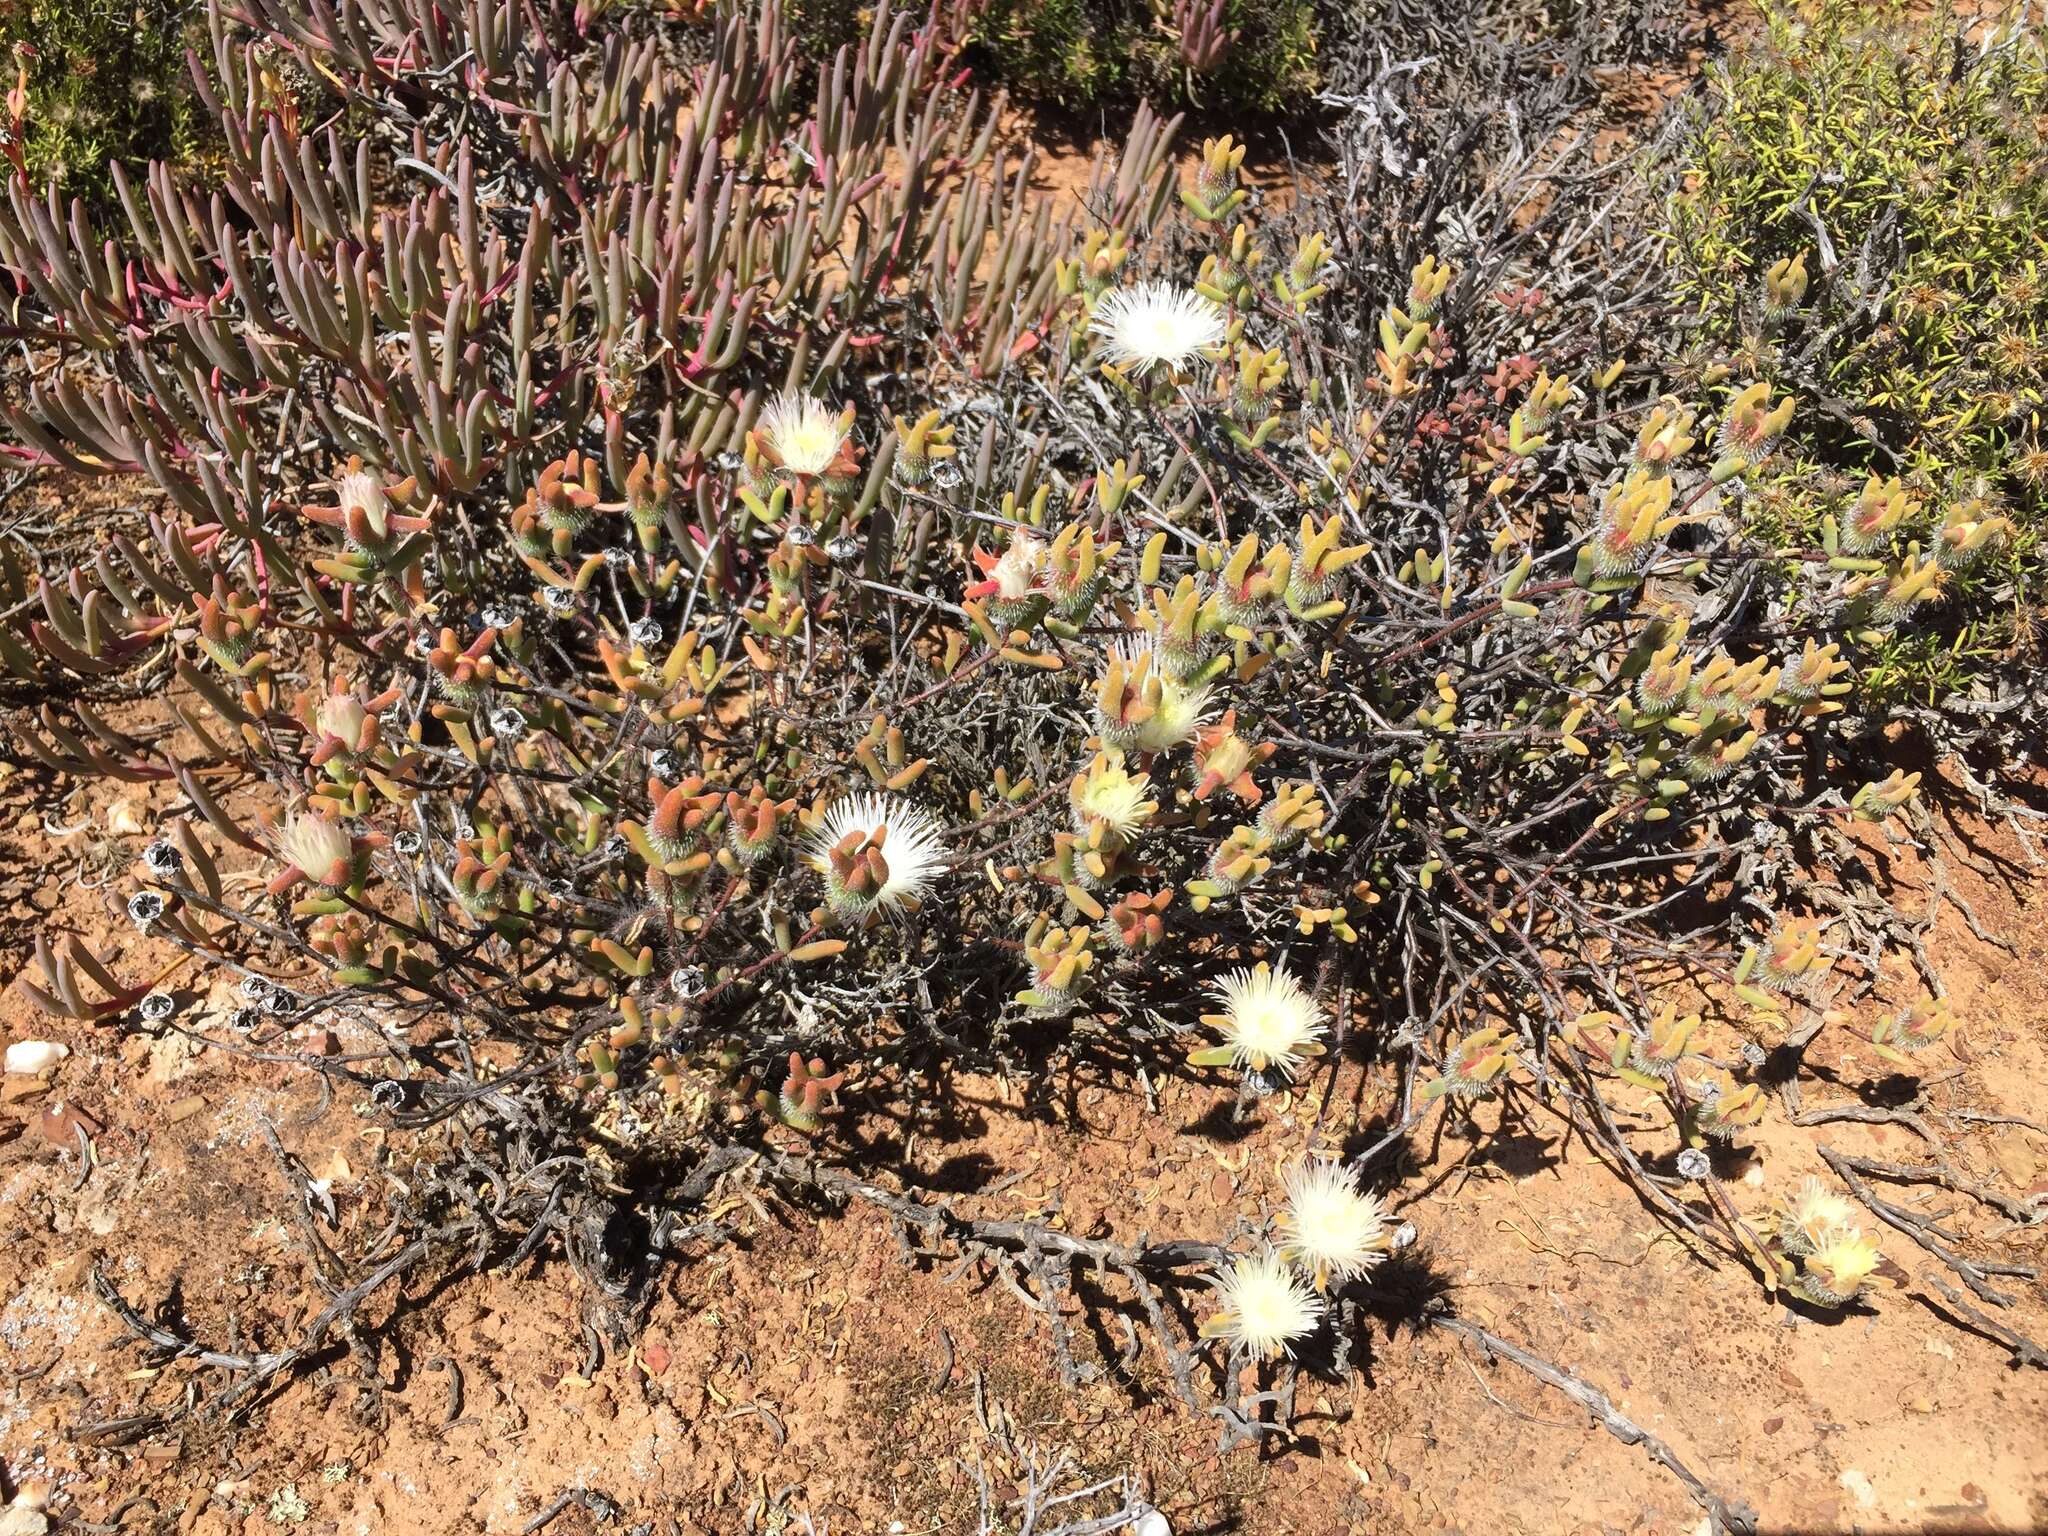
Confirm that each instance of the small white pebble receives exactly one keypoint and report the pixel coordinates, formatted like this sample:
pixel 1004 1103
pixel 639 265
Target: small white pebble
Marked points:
pixel 29 1057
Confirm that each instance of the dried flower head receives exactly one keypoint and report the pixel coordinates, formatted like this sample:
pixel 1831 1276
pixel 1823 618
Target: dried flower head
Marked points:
pixel 1329 1230
pixel 1269 1021
pixel 1154 324
pixel 1265 1306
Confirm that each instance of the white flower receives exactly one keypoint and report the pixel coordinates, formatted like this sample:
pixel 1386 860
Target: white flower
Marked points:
pixel 1111 794
pixel 1177 711
pixel 1329 1229
pixel 1155 323
pixel 1268 1020
pixel 1266 1306
pixel 1177 718
pixel 342 715
pixel 1841 1261
pixel 803 431
pixel 359 490
pixel 1016 574
pixel 318 848
pixel 907 841
pixel 1812 1211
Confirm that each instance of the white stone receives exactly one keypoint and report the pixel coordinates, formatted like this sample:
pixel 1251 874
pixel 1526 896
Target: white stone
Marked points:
pixel 30 1057
pixel 1859 1487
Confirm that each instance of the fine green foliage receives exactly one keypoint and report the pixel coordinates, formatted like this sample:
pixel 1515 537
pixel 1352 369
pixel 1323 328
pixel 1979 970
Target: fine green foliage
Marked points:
pixel 1858 221
pixel 1245 54
pixel 104 81
pixel 1077 52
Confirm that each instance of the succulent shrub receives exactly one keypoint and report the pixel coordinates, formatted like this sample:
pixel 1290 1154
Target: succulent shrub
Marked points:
pixel 1486 57
pixel 713 603
pixel 1855 220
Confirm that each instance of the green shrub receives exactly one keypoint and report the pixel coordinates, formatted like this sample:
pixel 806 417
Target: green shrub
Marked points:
pixel 105 81
pixel 1082 53
pixel 1892 169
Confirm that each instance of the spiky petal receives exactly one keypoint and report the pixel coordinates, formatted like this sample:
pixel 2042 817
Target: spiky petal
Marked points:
pixel 1329 1230
pixel 1154 324
pixel 1266 1307
pixel 803 431
pixel 1269 1021
pixel 877 853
